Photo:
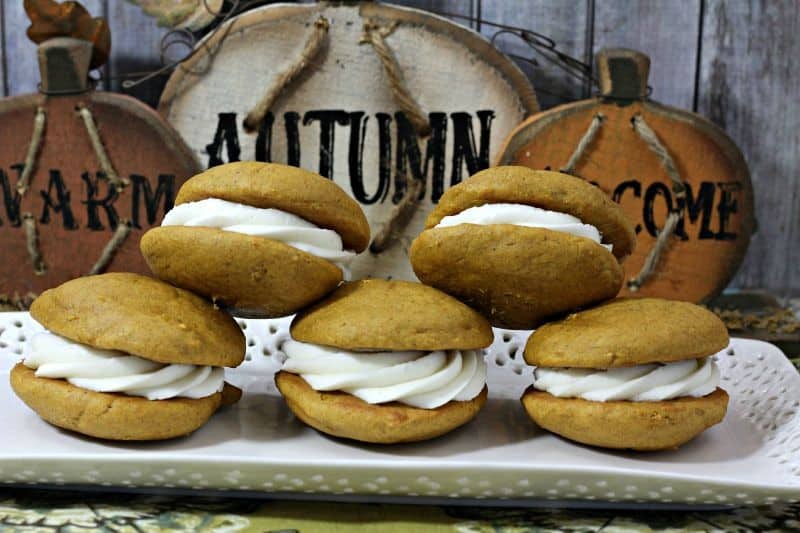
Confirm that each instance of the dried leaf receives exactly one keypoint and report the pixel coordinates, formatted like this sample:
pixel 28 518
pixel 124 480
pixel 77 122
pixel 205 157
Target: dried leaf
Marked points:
pixel 189 14
pixel 50 19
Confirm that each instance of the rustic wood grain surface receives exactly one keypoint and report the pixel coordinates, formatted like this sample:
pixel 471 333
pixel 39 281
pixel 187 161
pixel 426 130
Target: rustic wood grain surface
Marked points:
pixel 749 77
pixel 135 48
pixel 734 61
pixel 665 31
pixel 567 22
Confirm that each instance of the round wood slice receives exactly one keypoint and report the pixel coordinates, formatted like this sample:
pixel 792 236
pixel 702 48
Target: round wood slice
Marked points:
pixel 343 111
pixel 718 220
pixel 69 197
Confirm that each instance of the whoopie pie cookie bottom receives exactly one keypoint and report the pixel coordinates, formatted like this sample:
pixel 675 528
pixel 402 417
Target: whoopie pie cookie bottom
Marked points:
pixel 252 277
pixel 642 426
pixel 263 240
pixel 344 415
pixel 115 416
pixel 517 277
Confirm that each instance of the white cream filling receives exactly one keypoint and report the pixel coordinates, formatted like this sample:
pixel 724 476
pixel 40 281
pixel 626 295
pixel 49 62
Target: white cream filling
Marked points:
pixel 641 383
pixel 419 379
pixel 524 215
pixel 53 356
pixel 269 223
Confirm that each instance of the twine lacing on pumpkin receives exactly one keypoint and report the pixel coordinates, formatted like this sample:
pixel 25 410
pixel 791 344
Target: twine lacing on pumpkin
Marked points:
pixel 312 47
pixel 375 35
pixel 28 220
pixel 679 190
pixel 586 140
pixel 33 150
pixel 647 134
pixel 400 216
pixel 111 247
pixel 99 149
pixel 114 180
pixel 32 243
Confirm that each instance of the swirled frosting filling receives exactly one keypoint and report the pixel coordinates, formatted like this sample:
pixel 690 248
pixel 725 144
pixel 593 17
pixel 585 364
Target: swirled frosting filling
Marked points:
pixel 419 379
pixel 53 356
pixel 641 383
pixel 524 215
pixel 268 223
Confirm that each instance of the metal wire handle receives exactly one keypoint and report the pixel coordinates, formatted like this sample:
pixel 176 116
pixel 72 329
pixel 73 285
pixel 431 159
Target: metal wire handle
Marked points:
pixel 543 47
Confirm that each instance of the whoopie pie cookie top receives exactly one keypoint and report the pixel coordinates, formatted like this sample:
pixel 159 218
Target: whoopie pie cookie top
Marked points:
pixel 375 314
pixel 628 332
pixel 553 191
pixel 272 185
pixel 141 316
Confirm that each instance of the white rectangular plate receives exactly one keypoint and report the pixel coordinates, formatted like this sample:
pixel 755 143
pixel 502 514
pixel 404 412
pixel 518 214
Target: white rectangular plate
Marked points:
pixel 753 457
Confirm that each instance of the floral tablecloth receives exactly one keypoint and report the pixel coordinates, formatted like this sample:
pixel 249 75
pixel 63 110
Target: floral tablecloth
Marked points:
pixel 36 510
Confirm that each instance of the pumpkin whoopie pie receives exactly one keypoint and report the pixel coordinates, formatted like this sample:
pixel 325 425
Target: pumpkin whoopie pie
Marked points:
pixel 630 373
pixel 261 239
pixel 386 362
pixel 127 357
pixel 523 246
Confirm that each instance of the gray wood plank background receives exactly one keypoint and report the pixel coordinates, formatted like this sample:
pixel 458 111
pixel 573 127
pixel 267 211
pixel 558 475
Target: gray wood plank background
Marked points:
pixel 3 77
pixel 734 61
pixel 567 22
pixel 749 74
pixel 666 31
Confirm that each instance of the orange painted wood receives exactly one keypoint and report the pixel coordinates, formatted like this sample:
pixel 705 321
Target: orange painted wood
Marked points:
pixel 717 226
pixel 139 143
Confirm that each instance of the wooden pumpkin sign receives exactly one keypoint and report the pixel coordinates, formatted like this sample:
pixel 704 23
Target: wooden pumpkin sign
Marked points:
pixel 681 180
pixel 391 103
pixel 82 173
